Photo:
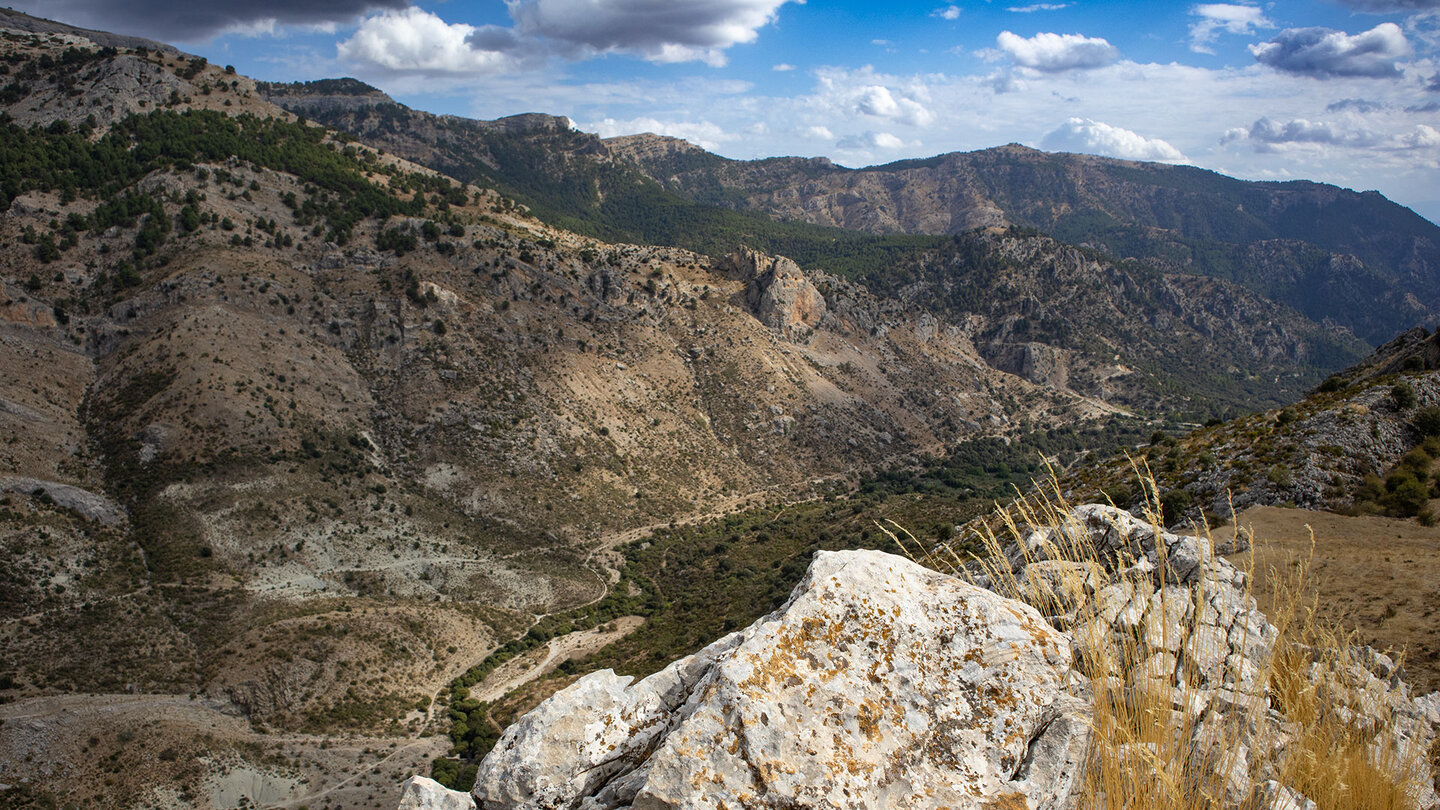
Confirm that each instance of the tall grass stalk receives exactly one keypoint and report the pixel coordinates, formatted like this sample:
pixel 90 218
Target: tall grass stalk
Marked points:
pixel 1163 735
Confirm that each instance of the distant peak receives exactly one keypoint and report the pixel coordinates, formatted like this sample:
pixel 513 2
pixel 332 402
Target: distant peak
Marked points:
pixel 530 122
pixel 322 87
pixel 670 142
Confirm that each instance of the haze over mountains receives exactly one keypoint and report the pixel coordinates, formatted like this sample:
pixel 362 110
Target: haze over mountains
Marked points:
pixel 306 417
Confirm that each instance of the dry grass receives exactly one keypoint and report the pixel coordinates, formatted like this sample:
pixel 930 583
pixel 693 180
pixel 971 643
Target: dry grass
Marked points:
pixel 1162 735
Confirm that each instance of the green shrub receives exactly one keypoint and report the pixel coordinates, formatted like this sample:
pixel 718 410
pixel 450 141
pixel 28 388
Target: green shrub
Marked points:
pixel 1173 504
pixel 1427 421
pixel 1403 395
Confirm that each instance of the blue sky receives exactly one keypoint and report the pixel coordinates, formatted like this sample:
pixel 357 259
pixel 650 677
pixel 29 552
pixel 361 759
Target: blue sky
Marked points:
pixel 1342 91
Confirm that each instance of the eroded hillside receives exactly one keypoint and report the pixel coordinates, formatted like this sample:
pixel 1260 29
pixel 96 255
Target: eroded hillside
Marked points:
pixel 305 430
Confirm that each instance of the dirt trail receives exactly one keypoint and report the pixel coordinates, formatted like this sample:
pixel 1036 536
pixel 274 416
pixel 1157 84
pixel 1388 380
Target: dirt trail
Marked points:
pixel 602 558
pixel 523 669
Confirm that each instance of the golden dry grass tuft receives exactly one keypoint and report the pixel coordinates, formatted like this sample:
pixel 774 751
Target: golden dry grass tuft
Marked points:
pixel 1164 736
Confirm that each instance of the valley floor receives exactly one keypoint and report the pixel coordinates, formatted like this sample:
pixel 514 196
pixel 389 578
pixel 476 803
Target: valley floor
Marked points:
pixel 91 748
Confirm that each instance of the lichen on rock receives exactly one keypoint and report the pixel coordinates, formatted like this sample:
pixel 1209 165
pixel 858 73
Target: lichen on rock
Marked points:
pixel 879 684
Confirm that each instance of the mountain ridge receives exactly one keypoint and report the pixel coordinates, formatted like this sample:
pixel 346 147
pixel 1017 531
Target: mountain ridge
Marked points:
pixel 1308 245
pixel 306 429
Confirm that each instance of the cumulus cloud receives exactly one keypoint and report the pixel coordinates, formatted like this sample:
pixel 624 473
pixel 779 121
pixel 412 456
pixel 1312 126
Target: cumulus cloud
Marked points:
pixel 657 30
pixel 1324 52
pixel 947 13
pixel 783 67
pixel 1228 18
pixel 1034 7
pixel 163 19
pixel 878 101
pixel 1053 53
pixel 416 41
pixel 870 140
pixel 819 132
pixel 1098 138
pixel 1267 134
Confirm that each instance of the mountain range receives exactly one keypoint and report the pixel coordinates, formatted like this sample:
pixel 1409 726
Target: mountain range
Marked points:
pixel 1337 256
pixel 312 402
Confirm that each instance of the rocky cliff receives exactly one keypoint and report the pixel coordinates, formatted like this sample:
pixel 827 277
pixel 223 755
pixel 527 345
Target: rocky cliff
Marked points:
pixel 882 683
pixel 1305 244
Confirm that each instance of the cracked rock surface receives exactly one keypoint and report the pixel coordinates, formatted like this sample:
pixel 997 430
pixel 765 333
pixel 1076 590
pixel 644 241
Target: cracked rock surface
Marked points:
pixel 879 684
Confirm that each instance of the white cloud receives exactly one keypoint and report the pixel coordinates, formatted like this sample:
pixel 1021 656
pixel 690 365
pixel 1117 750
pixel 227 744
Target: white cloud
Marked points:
pixel 701 133
pixel 783 67
pixel 1053 53
pixel 1095 137
pixel 416 41
pixel 657 30
pixel 878 101
pixel 1326 53
pixel 819 132
pixel 947 13
pixel 1034 7
pixel 1269 135
pixel 1223 17
pixel 870 140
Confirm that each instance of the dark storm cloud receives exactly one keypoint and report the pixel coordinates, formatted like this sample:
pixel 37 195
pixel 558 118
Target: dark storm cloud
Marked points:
pixel 1325 52
pixel 170 20
pixel 660 30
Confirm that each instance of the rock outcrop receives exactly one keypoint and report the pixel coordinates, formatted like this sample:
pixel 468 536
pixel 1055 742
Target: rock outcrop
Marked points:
pixel 420 793
pixel 879 684
pixel 882 683
pixel 779 294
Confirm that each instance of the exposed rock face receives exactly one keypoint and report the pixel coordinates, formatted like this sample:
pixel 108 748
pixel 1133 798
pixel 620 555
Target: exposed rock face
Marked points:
pixel 879 684
pixel 1039 363
pixel 87 503
pixel 420 793
pixel 778 293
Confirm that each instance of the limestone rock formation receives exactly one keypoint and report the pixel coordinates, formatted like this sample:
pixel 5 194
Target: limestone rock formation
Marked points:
pixel 882 683
pixel 1158 616
pixel 419 793
pixel 879 684
pixel 778 293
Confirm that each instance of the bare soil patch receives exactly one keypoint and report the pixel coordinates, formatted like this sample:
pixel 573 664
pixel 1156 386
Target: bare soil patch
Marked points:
pixel 1378 576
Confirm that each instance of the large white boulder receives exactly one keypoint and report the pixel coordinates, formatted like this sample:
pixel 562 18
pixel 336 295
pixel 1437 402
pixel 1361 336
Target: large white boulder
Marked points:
pixel 879 684
pixel 420 793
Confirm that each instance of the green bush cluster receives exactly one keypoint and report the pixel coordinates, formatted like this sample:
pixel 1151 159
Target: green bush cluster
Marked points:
pixel 56 158
pixel 1407 489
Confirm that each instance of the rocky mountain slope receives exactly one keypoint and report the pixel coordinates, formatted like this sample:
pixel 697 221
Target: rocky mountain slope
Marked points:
pixel 1355 259
pixel 1333 254
pixel 305 430
pixel 1072 304
pixel 1364 442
